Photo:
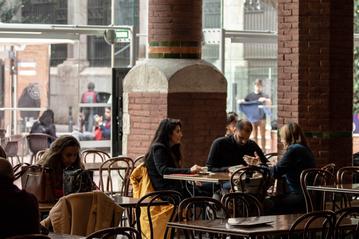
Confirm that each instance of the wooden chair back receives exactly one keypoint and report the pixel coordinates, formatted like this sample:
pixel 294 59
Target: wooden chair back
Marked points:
pixel 38 142
pixel 94 156
pixel 117 167
pixel 139 160
pixel 251 179
pixel 320 222
pixel 344 216
pixel 201 208
pixel 329 167
pixel 171 197
pixel 316 200
pixel 240 204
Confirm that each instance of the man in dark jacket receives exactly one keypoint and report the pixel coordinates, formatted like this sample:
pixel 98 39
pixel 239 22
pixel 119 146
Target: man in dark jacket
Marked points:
pixel 19 209
pixel 229 151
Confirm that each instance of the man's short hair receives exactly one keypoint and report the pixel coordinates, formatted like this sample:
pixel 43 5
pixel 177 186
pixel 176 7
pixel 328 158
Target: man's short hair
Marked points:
pixel 6 171
pixel 243 123
pixel 91 86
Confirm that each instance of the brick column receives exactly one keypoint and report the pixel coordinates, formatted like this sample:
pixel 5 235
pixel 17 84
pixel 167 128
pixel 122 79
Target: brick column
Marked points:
pixel 175 29
pixel 315 70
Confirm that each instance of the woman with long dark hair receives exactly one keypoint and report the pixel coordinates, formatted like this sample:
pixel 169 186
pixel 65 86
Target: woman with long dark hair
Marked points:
pixel 63 152
pixel 164 156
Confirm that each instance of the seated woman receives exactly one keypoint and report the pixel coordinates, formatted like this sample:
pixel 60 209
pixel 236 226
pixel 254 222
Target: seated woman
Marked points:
pixel 164 156
pixel 296 158
pixel 63 152
pixel 45 124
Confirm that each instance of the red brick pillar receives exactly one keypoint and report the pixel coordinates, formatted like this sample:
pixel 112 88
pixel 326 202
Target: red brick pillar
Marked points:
pixel 315 70
pixel 183 87
pixel 175 29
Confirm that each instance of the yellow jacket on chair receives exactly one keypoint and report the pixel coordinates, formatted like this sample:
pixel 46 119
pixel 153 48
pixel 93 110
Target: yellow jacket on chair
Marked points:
pixel 160 215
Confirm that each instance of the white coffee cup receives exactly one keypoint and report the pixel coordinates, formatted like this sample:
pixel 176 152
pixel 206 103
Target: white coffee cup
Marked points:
pixel 204 170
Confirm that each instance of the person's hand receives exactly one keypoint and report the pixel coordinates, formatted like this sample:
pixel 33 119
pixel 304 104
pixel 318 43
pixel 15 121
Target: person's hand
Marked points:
pixel 250 160
pixel 195 169
pixel 262 99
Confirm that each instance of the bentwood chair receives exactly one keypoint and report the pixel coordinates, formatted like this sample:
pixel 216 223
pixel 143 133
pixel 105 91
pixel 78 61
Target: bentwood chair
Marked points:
pixel 151 217
pixel 240 204
pixel 11 146
pixel 318 224
pixel 196 208
pixel 316 200
pixel 110 233
pixel 94 156
pixel 117 167
pixel 343 216
pixel 347 175
pixel 329 167
pixel 18 172
pixel 38 142
pixel 251 179
pixel 139 160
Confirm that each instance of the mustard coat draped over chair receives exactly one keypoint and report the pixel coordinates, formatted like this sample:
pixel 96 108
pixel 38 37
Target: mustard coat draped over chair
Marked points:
pixel 160 215
pixel 83 213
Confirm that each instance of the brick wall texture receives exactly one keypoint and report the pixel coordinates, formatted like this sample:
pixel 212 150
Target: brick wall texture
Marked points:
pixel 315 74
pixel 202 116
pixel 175 28
pixel 146 110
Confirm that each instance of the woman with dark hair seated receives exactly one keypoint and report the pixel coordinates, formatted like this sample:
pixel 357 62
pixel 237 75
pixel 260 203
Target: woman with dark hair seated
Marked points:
pixel 63 152
pixel 164 157
pixel 45 124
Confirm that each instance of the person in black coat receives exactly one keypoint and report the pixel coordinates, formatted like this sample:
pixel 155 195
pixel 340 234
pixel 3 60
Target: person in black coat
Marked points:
pixel 19 209
pixel 231 150
pixel 164 157
pixel 45 124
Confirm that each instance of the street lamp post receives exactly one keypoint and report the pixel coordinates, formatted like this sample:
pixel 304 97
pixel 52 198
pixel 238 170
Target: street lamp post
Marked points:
pixel 13 73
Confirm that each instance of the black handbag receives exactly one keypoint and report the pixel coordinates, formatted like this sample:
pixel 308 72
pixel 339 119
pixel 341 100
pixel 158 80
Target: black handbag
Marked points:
pixel 76 180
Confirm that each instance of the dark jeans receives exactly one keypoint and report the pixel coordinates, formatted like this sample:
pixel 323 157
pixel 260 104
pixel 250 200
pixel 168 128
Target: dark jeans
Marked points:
pixel 284 204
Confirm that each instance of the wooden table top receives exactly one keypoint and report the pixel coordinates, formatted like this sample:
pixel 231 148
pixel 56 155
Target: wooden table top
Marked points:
pixel 342 188
pixel 210 178
pixel 126 202
pixel 280 224
pixel 132 202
